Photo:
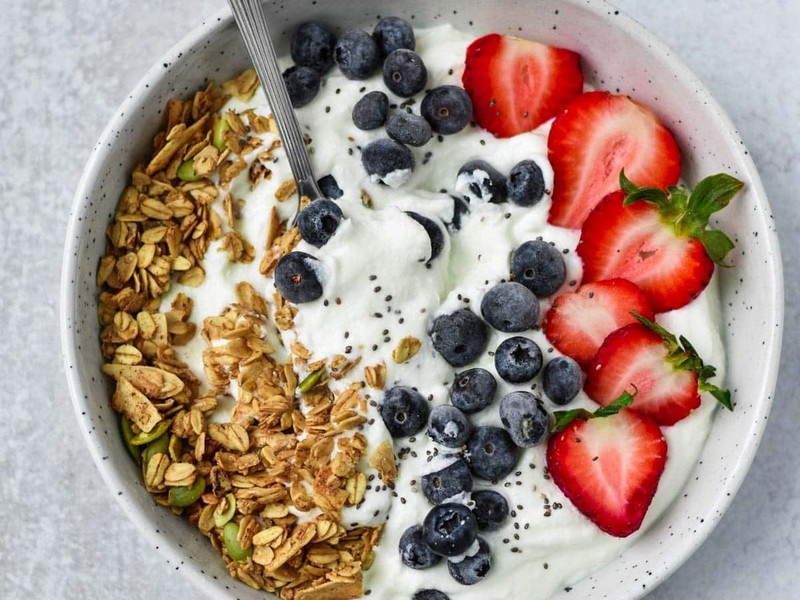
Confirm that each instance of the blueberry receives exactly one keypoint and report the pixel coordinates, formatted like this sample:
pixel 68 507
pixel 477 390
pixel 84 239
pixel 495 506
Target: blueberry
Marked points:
pixel 408 129
pixel 518 359
pixel 330 187
pixel 448 426
pixel 448 482
pixel 430 595
pixel 491 453
pixel 302 84
pixel 539 266
pixel 371 110
pixel 404 73
pixel 392 33
pixel 490 510
pixel 297 277
pixel 510 307
pixel 357 54
pixel 525 419
pixel 480 182
pixel 404 411
pixel 460 208
pixel 388 161
pixel 318 221
pixel 473 390
pixel 312 46
pixel 448 109
pixel 526 183
pixel 562 380
pixel 435 233
pixel 472 569
pixel 459 337
pixel 449 529
pixel 414 552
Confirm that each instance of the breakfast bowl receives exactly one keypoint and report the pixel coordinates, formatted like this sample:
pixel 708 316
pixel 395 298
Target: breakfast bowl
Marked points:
pixel 617 55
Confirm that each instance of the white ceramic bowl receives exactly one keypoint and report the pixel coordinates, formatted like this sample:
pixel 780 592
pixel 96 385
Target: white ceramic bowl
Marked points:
pixel 619 55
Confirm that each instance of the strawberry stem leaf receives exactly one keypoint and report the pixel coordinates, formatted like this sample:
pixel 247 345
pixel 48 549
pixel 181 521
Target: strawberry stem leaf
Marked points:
pixel 634 193
pixel 565 417
pixel 717 245
pixel 723 396
pixel 625 184
pixel 687 211
pixel 712 194
pixel 683 357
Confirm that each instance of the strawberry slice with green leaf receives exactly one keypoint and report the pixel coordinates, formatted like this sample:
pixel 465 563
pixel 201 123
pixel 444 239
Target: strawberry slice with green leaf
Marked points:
pixel 666 371
pixel 516 85
pixel 660 240
pixel 595 137
pixel 579 321
pixel 608 463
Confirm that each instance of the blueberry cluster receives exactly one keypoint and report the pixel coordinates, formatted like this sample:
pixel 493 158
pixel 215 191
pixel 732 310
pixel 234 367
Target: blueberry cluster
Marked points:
pixel 358 55
pixel 537 270
pixel 444 110
pixel 489 453
pixel 478 181
pixel 298 275
pixel 315 49
pixel 312 52
pixel 450 530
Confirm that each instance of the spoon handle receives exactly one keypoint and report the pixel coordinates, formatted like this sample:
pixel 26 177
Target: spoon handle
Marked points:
pixel 249 15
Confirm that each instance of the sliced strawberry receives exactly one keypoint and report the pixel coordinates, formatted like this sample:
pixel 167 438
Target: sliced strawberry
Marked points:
pixel 665 374
pixel 609 468
pixel 516 85
pixel 597 136
pixel 635 358
pixel 660 243
pixel 578 322
pixel 632 242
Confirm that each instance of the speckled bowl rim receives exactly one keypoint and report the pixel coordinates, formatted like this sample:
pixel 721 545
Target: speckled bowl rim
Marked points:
pixel 221 20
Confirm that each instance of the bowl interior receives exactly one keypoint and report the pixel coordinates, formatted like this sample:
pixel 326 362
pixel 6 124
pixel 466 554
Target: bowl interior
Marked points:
pixel 618 56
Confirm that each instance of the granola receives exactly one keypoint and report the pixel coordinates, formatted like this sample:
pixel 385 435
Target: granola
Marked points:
pixel 269 486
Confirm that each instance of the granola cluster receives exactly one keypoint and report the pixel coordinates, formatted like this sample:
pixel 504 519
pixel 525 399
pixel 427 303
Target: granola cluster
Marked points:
pixel 269 486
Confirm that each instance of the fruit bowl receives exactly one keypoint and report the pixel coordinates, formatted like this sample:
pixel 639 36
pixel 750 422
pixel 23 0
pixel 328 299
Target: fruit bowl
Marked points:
pixel 618 55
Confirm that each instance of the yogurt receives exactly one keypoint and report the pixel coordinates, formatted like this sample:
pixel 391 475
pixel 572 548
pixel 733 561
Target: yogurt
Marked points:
pixel 380 286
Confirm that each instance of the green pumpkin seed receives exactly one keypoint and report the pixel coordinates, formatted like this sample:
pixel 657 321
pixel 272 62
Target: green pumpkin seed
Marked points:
pixel 230 535
pixel 186 171
pixel 157 446
pixel 221 518
pixel 143 438
pixel 187 495
pixel 311 380
pixel 218 139
pixel 127 436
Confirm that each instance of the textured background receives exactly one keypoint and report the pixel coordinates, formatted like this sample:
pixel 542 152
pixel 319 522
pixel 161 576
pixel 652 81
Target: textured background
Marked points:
pixel 67 64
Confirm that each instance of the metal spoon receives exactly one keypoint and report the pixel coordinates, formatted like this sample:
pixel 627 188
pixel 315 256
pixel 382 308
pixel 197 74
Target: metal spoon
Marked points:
pixel 249 15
